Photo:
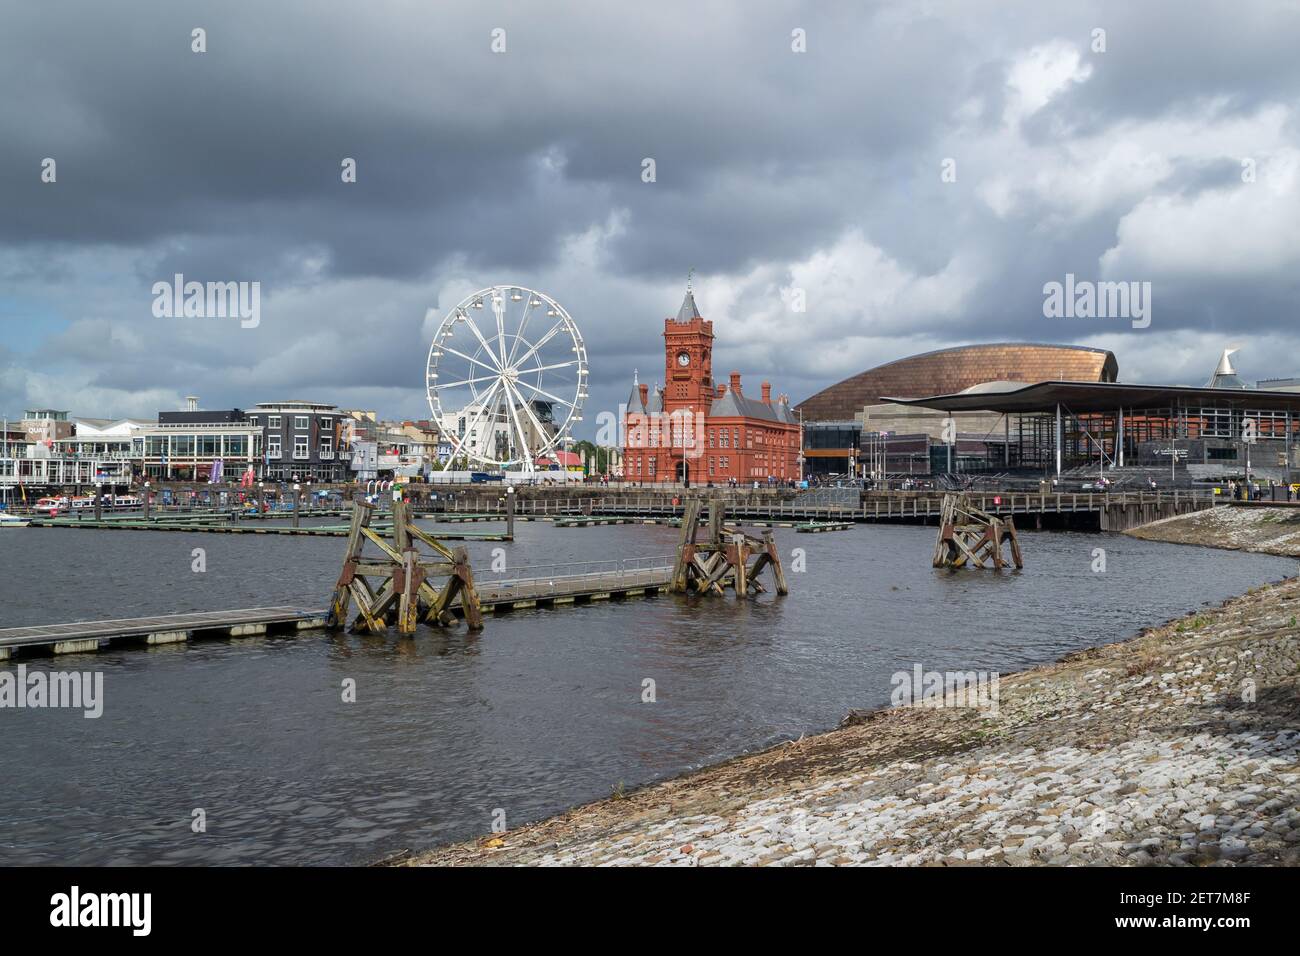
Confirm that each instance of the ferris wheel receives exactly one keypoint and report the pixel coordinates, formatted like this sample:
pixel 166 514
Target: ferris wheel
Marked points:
pixel 506 377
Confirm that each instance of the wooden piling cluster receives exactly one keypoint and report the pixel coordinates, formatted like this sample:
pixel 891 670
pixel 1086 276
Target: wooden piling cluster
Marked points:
pixel 969 535
pixel 404 591
pixel 722 559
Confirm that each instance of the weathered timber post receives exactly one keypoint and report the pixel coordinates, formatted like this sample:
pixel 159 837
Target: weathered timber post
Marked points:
pixel 969 535
pixel 405 593
pixel 146 501
pixel 510 512
pixel 99 502
pixel 338 615
pixel 297 503
pixel 723 559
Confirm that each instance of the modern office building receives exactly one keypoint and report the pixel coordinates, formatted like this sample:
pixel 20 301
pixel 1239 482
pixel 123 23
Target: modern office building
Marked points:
pixel 1171 434
pixel 909 439
pixel 199 445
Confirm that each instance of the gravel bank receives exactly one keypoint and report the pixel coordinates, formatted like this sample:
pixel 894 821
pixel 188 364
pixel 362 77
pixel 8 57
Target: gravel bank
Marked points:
pixel 1180 746
pixel 1267 530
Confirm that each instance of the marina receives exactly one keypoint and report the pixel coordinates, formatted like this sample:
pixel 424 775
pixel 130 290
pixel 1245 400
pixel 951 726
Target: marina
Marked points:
pixel 538 711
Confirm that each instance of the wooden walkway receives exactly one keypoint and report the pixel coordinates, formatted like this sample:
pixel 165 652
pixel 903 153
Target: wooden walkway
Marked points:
pixel 604 580
pixel 554 586
pixel 83 636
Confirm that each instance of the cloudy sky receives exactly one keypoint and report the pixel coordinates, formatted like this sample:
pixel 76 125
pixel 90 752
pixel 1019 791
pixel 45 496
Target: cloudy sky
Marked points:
pixel 1164 150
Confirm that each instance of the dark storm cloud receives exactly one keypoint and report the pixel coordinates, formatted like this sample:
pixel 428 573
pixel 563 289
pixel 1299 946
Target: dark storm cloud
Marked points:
pixel 476 167
pixel 154 140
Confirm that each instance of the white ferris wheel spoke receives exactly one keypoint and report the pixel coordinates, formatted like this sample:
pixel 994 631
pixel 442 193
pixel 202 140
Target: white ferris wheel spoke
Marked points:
pixel 486 348
pixel 524 453
pixel 519 333
pixel 533 418
pixel 499 307
pixel 547 368
pixel 469 427
pixel 490 368
pixel 543 340
pixel 469 381
pixel 546 394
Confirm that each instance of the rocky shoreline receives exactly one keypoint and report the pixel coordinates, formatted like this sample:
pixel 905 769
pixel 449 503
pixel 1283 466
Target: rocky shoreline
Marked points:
pixel 1180 746
pixel 1264 529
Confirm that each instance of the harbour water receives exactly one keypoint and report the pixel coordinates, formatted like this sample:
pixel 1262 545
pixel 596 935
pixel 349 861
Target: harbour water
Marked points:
pixel 540 711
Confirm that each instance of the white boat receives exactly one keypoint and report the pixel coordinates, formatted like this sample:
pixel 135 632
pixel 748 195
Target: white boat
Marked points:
pixel 12 521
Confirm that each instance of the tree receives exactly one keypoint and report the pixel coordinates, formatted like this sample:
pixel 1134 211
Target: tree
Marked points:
pixel 597 457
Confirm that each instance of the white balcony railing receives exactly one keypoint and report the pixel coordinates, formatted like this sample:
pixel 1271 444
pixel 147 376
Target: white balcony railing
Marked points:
pixel 326 455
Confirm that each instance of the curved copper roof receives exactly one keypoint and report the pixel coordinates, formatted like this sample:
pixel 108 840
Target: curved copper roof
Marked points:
pixel 948 371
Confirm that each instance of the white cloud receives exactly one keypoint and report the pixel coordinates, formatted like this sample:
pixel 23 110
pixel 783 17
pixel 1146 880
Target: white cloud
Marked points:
pixel 1246 230
pixel 1039 75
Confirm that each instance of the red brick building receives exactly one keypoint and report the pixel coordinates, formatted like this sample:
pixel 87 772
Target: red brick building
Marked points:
pixel 696 430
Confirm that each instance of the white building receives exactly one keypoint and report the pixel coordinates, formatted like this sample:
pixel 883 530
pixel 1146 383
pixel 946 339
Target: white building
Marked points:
pixel 495 435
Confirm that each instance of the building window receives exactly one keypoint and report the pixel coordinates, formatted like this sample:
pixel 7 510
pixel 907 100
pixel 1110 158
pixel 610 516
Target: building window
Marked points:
pixel 273 421
pixel 327 449
pixel 252 419
pixel 300 422
pixel 273 448
pixel 300 448
pixel 327 424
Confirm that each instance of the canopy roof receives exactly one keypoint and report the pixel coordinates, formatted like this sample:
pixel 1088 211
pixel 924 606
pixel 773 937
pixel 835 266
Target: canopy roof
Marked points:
pixel 1102 397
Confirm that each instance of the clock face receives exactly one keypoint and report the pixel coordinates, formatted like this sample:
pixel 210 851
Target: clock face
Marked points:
pixel 683 359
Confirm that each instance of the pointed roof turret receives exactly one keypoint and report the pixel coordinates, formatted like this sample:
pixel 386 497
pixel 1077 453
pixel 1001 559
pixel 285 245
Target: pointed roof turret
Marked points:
pixel 634 403
pixel 688 312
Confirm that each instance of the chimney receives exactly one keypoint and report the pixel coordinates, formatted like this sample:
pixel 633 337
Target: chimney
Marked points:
pixel 722 390
pixel 767 393
pixel 192 403
pixel 645 395
pixel 735 382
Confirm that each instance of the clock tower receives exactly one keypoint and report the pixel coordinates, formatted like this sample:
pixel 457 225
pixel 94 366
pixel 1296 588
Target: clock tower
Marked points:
pixel 688 359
